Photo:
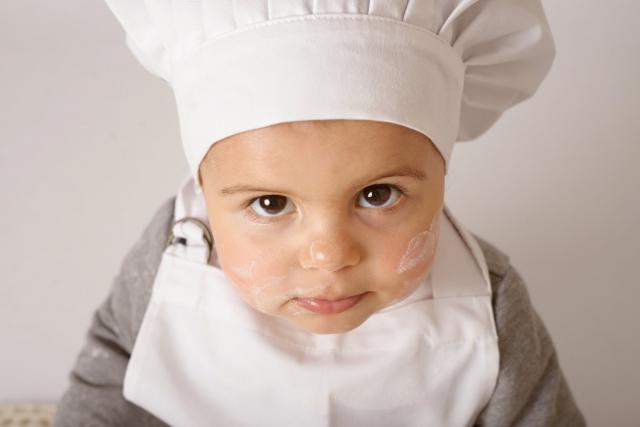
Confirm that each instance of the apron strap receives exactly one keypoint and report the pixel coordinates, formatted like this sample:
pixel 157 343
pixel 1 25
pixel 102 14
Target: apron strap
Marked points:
pixel 459 269
pixel 190 238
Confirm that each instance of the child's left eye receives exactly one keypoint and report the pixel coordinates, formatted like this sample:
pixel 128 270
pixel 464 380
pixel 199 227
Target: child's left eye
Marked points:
pixel 379 194
pixel 266 209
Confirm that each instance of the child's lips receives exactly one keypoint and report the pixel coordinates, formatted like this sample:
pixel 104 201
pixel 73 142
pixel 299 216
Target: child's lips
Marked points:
pixel 325 306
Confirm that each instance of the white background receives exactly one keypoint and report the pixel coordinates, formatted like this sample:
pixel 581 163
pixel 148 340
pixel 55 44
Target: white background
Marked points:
pixel 90 148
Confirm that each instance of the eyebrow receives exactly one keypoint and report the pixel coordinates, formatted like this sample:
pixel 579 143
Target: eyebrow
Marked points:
pixel 404 170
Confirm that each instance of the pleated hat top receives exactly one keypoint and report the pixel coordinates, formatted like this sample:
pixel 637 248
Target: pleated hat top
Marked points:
pixel 445 68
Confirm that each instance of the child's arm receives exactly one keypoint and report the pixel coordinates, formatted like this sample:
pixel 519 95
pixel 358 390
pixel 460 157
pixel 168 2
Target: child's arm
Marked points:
pixel 531 388
pixel 94 396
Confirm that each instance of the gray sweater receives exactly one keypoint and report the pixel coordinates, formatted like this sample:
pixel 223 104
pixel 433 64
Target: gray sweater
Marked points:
pixel 531 388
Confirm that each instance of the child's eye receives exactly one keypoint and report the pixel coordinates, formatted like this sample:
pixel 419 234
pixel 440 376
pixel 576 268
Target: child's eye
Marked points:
pixel 266 209
pixel 379 195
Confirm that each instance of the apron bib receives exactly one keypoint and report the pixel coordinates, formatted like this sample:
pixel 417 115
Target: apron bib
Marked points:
pixel 203 357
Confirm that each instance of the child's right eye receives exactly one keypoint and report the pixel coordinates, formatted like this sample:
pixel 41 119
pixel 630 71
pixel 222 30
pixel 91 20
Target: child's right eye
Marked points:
pixel 271 204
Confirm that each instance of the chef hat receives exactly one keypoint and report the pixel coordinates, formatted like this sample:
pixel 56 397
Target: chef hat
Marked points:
pixel 446 68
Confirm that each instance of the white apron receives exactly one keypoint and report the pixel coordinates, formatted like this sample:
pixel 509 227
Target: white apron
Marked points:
pixel 203 357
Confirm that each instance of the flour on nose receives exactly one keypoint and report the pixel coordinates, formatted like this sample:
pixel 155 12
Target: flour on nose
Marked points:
pixel 315 253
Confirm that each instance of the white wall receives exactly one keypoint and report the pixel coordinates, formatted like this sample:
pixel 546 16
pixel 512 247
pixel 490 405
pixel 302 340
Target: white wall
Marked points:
pixel 553 184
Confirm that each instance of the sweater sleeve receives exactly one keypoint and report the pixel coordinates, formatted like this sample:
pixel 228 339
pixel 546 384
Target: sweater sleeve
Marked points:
pixel 94 395
pixel 531 389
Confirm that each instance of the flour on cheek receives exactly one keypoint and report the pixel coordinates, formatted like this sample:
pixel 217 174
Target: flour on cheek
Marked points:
pixel 258 290
pixel 419 255
pixel 421 247
pixel 268 293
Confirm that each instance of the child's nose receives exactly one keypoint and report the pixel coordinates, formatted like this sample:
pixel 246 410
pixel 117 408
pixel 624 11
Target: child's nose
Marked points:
pixel 330 253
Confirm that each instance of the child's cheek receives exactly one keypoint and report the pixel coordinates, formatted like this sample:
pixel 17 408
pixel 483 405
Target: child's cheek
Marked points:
pixel 412 259
pixel 420 249
pixel 257 280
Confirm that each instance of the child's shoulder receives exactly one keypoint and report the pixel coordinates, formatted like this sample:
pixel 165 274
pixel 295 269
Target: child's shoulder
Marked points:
pixel 510 293
pixel 131 290
pixel 160 223
pixel 531 387
pixel 147 250
pixel 498 261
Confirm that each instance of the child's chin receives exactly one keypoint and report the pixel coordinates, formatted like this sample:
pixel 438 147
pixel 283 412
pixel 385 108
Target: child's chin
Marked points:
pixel 329 324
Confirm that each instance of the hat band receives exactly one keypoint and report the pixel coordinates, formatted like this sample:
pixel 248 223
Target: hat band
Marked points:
pixel 314 67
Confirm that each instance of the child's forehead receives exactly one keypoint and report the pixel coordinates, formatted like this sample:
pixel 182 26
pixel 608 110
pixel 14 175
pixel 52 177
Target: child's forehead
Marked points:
pixel 317 159
pixel 338 152
pixel 325 139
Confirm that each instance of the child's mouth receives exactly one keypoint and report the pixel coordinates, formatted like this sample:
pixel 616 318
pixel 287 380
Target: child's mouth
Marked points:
pixel 324 306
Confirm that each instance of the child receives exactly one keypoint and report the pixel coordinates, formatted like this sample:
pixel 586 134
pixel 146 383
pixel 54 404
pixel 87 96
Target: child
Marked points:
pixel 308 272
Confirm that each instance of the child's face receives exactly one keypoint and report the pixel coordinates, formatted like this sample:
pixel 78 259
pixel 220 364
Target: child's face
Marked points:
pixel 325 209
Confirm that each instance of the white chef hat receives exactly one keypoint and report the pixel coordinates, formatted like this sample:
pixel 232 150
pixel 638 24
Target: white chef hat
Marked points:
pixel 446 68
